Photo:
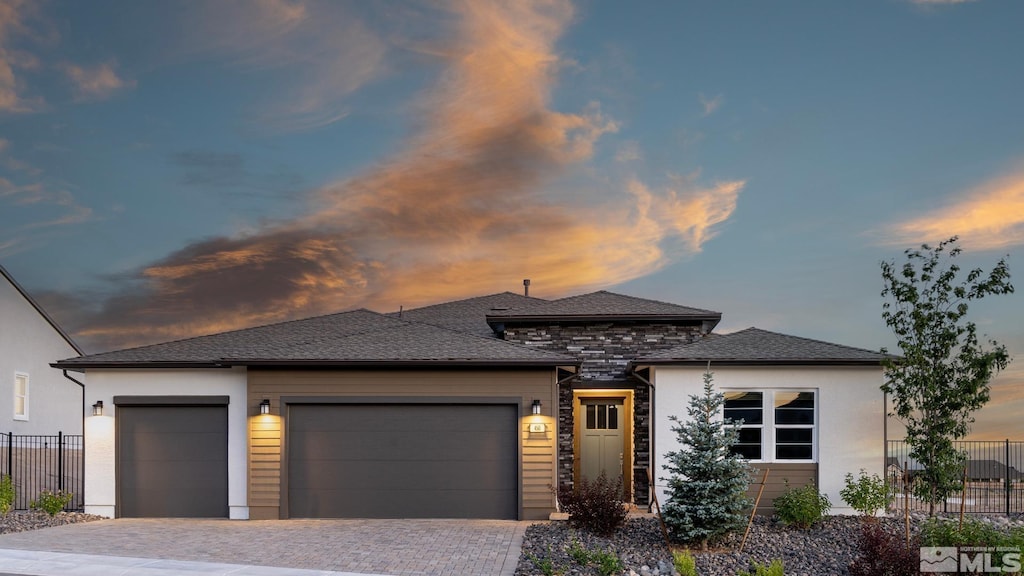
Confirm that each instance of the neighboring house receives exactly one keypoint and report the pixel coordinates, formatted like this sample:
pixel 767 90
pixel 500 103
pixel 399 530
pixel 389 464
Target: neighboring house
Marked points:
pixel 811 410
pixel 991 471
pixel 472 408
pixel 35 399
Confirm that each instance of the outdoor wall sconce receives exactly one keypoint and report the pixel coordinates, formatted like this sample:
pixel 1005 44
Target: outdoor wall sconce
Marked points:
pixel 97 408
pixel 265 406
pixel 536 407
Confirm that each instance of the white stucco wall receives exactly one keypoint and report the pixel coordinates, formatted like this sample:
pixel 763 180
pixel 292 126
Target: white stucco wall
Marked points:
pixel 28 344
pixel 850 414
pixel 100 487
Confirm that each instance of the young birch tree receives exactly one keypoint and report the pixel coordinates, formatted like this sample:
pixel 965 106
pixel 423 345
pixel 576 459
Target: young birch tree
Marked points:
pixel 943 375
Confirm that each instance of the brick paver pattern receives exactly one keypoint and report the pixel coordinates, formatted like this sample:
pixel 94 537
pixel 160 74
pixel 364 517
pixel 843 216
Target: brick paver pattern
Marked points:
pixel 394 547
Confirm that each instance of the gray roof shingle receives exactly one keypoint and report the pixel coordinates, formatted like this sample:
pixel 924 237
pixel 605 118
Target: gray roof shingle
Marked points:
pixel 358 337
pixel 756 346
pixel 468 315
pixel 602 305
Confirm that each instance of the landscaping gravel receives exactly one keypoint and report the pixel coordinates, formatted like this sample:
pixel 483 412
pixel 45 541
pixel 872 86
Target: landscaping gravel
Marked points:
pixel 827 549
pixel 24 520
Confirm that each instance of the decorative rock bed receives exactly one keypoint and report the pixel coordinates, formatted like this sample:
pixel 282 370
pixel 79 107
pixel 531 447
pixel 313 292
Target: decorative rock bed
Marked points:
pixel 827 548
pixel 24 520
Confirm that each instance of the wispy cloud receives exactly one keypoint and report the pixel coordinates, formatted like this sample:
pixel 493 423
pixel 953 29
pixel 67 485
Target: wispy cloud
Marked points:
pixel 710 105
pixel 628 151
pixel 988 217
pixel 468 205
pixel 30 188
pixel 98 82
pixel 14 15
pixel 322 49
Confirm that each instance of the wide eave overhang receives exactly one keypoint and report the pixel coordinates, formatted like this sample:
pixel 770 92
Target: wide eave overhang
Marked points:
pixel 756 362
pixel 315 363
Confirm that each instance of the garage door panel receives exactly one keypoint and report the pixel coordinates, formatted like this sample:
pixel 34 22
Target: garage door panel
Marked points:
pixel 172 461
pixel 389 504
pixel 404 445
pixel 154 447
pixel 393 475
pixel 403 460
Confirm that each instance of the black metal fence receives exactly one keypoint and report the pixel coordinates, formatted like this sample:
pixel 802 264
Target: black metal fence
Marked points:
pixel 37 463
pixel 994 473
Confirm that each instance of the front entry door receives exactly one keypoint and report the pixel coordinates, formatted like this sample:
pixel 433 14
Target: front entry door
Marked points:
pixel 601 444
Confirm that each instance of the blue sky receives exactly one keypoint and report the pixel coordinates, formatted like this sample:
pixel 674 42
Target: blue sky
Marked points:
pixel 178 168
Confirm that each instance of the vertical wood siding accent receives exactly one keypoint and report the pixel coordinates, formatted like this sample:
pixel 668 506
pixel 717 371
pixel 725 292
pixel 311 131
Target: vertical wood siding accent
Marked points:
pixel 267 434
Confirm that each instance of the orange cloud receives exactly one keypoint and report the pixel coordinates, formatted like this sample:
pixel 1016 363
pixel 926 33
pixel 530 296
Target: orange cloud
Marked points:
pixel 469 205
pixel 989 217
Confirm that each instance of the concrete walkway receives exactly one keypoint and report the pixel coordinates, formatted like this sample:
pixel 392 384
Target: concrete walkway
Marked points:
pixel 166 547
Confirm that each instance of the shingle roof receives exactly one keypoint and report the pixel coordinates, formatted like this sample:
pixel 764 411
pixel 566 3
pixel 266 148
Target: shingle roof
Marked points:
pixel 359 337
pixel 602 305
pixel 468 315
pixel 756 346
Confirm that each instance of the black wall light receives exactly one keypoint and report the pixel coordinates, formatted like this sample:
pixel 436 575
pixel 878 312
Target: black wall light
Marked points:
pixel 536 407
pixel 97 408
pixel 265 406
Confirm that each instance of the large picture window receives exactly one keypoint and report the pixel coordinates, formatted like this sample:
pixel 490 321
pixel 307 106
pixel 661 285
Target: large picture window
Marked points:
pixel 777 425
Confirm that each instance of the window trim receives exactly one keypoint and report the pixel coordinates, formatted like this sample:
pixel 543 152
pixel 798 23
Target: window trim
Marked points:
pixel 25 396
pixel 768 426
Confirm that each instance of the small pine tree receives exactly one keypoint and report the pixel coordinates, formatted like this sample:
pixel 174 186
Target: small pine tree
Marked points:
pixel 708 482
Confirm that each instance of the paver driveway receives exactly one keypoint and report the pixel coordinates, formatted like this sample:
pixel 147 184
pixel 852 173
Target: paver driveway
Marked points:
pixel 394 547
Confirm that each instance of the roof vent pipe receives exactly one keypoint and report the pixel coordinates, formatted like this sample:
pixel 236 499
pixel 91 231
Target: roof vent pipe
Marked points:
pixel 526 287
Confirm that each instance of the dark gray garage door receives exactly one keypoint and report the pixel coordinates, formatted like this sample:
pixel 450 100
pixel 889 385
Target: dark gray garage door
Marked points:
pixel 172 461
pixel 402 461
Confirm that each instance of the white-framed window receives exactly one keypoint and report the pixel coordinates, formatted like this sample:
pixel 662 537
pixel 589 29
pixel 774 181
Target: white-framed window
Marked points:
pixel 778 425
pixel 20 396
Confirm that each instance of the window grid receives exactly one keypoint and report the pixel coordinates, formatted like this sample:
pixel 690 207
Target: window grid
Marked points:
pixel 20 396
pixel 790 435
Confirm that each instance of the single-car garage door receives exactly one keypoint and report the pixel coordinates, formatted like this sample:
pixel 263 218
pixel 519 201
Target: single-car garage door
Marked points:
pixel 402 461
pixel 172 460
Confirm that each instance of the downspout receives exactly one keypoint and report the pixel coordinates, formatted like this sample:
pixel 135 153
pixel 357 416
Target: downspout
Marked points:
pixel 651 429
pixel 82 386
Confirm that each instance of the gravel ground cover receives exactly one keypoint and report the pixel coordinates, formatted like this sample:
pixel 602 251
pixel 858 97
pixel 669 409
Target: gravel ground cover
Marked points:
pixel 24 520
pixel 827 549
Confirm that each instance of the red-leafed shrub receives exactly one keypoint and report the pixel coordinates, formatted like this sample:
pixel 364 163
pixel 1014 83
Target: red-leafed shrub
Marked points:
pixel 883 553
pixel 595 506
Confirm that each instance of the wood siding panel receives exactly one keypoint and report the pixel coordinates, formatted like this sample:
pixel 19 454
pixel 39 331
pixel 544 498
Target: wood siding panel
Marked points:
pixel 537 460
pixel 796 474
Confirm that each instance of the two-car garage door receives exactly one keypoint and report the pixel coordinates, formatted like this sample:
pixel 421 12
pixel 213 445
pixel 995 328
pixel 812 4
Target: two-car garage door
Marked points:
pixel 394 460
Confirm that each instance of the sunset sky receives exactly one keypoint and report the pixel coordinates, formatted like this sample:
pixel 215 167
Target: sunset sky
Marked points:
pixel 169 168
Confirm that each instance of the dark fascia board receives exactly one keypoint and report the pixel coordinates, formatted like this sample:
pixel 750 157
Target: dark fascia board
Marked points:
pixel 667 318
pixel 82 366
pixel 754 362
pixel 39 309
pixel 384 364
pixel 409 363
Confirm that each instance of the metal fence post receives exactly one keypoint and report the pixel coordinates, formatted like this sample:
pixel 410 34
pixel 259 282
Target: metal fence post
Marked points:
pixel 60 461
pixel 10 455
pixel 1009 482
